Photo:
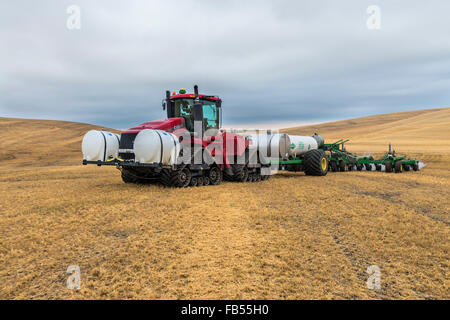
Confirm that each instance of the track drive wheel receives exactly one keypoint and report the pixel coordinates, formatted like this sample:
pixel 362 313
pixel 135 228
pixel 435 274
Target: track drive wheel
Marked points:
pixel 215 176
pixel 176 178
pixel 240 172
pixel 315 163
pixel 226 176
pixel 129 177
pixel 194 182
pixel 265 173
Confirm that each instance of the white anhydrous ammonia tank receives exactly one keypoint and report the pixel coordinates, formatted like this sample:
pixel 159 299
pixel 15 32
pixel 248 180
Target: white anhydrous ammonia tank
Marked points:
pixel 301 145
pixel 156 146
pixel 100 145
pixel 273 145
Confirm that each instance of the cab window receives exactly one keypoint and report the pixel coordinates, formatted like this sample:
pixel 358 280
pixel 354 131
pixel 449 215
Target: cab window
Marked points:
pixel 184 108
pixel 210 115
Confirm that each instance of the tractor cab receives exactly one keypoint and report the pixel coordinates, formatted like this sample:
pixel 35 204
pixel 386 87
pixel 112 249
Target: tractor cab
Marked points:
pixel 194 107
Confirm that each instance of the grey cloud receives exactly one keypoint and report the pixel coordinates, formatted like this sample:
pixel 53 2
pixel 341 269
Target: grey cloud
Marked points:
pixel 271 61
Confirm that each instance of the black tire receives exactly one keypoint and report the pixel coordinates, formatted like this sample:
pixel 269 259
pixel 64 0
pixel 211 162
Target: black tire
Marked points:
pixel 227 177
pixel 416 167
pixel 215 176
pixel 206 181
pixel 129 177
pixel 342 166
pixel 333 166
pixel 359 167
pixel 350 167
pixel 266 176
pixel 165 177
pixel 398 167
pixel 240 172
pixel 199 181
pixel 193 182
pixel 176 178
pixel 315 163
pixel 378 167
pixel 406 167
pixel 368 166
pixel 388 166
pixel 258 177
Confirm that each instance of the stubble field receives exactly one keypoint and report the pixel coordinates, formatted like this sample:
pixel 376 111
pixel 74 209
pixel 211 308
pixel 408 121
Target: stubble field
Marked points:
pixel 291 237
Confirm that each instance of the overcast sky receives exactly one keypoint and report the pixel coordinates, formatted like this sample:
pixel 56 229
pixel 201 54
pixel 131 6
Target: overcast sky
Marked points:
pixel 284 62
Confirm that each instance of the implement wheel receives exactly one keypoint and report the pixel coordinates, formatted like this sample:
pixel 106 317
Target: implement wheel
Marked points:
pixel 416 167
pixel 406 167
pixel 333 166
pixel 315 163
pixel 378 167
pixel 342 166
pixel 368 166
pixel 398 167
pixel 388 166
pixel 359 167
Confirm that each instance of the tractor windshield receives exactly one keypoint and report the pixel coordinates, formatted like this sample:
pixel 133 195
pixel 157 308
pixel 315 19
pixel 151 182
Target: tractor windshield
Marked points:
pixel 185 108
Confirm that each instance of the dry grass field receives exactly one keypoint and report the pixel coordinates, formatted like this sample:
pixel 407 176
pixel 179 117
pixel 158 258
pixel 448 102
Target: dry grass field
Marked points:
pixel 291 237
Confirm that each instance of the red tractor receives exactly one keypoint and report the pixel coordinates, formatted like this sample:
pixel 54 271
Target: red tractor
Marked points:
pixel 193 123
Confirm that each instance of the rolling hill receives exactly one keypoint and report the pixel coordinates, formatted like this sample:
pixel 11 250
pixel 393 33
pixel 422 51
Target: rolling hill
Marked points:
pixel 28 142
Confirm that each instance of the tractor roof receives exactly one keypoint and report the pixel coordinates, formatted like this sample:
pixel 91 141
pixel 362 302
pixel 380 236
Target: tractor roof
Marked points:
pixel 191 95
